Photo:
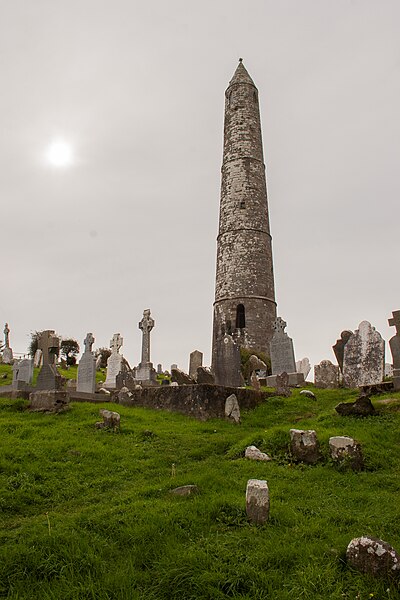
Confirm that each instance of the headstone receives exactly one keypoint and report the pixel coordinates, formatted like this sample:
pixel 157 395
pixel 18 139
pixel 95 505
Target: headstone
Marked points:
pixel 185 490
pixel 256 364
pixel 394 344
pixel 49 401
pixel 227 367
pixel 181 378
pixel 38 358
pixel 111 420
pixel 145 371
pixel 195 361
pixel 338 348
pixel 87 368
pixel 255 384
pixel 326 375
pixel 304 446
pixel 282 352
pixel 374 557
pixel 114 361
pixel 159 369
pixel 98 362
pixel 253 453
pixel 232 409
pixel 22 373
pixel 174 366
pixel 7 351
pixel 257 501
pixel 303 366
pixel 204 375
pixel 49 378
pixel 346 451
pixel 364 357
pixel 282 385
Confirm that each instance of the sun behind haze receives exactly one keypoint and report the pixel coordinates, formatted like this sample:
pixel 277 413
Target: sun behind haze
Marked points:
pixel 59 153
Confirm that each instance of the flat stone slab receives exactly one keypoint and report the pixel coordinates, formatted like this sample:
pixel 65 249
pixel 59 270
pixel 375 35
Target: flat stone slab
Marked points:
pixel 48 401
pixel 185 490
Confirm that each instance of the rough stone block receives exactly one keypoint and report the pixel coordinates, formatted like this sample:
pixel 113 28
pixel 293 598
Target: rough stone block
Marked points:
pixel 373 556
pixel 257 501
pixel 49 401
pixel 304 445
pixel 345 450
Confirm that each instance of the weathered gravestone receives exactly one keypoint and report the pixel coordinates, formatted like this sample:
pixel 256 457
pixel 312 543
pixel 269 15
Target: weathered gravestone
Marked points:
pixel 326 375
pixel 159 369
pixel 282 385
pixel 204 375
pixel 373 556
pixel 346 452
pixel 232 409
pixel 255 384
pixel 338 348
pixel 7 352
pixel 257 501
pixel 38 358
pixel 394 344
pixel 282 352
pixel 114 361
pixel 22 373
pixel 145 371
pixel 304 445
pixel 195 361
pixel 303 366
pixel 49 378
pixel 227 367
pixel 364 357
pixel 87 368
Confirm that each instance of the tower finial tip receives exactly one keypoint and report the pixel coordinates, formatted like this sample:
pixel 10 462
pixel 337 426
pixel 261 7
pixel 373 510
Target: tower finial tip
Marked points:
pixel 240 59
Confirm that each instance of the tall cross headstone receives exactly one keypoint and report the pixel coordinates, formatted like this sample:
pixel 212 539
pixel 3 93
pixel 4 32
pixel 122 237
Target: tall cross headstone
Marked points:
pixel 282 352
pixel 114 361
pixel 7 352
pixel 145 371
pixel 87 368
pixel 394 344
pixel 49 378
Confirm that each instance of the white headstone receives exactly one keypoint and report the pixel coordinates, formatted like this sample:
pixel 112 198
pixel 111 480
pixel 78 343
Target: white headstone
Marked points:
pixel 303 366
pixel 364 357
pixel 87 368
pixel 114 362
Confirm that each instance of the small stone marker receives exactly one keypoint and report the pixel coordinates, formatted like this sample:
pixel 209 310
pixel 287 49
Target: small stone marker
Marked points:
pixel 114 361
pixel 303 366
pixel 394 344
pixel 364 357
pixel 326 375
pixel 308 394
pixel 253 453
pixel 232 409
pixel 338 348
pixel 195 361
pixel 111 420
pixel 159 369
pixel 373 556
pixel 174 366
pixel 344 450
pixel 282 352
pixel 282 385
pixel 87 368
pixel 185 490
pixel 227 363
pixel 304 445
pixel 7 351
pixel 257 501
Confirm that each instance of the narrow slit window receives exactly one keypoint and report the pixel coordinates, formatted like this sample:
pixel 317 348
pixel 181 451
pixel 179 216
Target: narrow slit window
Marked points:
pixel 240 317
pixel 242 204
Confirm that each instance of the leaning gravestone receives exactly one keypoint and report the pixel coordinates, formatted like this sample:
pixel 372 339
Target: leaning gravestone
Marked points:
pixel 87 368
pixel 7 352
pixel 195 361
pixel 227 364
pixel 282 352
pixel 364 357
pixel 394 344
pixel 114 361
pixel 326 375
pixel 232 409
pixel 49 378
pixel 338 348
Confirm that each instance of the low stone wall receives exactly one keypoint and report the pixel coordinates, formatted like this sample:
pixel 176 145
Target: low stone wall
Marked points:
pixel 199 401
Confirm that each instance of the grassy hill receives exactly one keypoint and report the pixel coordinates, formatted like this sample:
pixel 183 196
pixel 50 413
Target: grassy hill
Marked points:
pixel 88 514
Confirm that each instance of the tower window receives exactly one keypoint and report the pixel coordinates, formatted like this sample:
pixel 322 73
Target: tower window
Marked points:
pixel 242 204
pixel 240 317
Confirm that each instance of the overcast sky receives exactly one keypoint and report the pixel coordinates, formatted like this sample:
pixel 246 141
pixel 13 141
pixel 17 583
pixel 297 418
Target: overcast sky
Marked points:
pixel 137 89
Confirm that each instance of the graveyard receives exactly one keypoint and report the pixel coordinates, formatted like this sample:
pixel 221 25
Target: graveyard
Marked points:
pixel 91 513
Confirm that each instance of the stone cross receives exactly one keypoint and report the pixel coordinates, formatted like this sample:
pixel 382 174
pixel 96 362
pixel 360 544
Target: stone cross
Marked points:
pixel 6 336
pixel 146 325
pixel 279 325
pixel 89 341
pixel 116 343
pixel 394 322
pixel 49 344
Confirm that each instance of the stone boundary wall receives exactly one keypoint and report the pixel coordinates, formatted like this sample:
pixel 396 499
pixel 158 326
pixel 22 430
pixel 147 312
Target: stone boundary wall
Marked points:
pixel 200 401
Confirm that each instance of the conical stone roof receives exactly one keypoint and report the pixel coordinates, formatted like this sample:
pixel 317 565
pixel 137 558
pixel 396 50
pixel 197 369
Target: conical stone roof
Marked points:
pixel 241 75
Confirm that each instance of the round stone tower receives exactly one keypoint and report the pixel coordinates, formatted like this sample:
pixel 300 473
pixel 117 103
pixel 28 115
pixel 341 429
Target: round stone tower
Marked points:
pixel 244 304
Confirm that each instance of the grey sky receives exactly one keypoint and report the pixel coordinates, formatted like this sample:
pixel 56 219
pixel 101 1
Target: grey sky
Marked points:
pixel 138 90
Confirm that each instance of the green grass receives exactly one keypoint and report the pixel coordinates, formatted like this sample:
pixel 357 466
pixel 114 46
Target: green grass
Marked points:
pixel 88 514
